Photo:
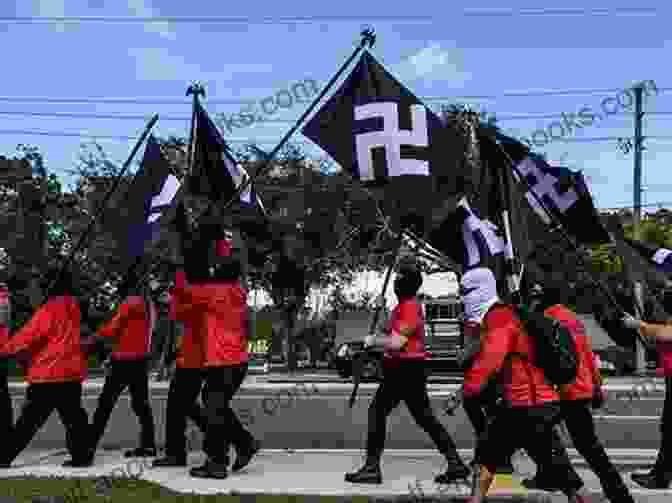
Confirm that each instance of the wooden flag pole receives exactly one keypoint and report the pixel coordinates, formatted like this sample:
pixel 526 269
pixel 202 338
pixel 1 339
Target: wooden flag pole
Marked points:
pixel 108 195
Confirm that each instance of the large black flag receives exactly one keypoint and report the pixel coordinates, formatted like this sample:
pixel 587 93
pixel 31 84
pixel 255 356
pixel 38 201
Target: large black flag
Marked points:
pixel 564 192
pixel 149 196
pixel 384 136
pixel 214 171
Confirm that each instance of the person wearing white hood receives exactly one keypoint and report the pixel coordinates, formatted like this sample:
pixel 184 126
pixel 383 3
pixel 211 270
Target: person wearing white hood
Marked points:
pixel 478 297
pixel 531 404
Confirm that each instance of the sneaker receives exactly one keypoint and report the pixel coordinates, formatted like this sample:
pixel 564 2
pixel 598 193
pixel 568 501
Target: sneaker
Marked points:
pixel 650 481
pixel 540 484
pixel 453 474
pixel 78 463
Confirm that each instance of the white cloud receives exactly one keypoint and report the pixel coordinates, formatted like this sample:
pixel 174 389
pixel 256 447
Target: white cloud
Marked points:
pixel 157 64
pixel 435 63
pixel 142 8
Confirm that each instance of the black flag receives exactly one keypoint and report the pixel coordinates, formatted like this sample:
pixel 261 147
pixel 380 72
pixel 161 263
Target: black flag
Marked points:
pixel 384 136
pixel 564 192
pixel 661 258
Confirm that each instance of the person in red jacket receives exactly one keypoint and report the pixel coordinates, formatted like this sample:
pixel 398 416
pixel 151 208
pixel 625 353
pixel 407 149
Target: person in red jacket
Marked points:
pixel 660 334
pixel 56 367
pixel 532 403
pixel 577 401
pixel 6 409
pixel 131 330
pixel 405 378
pixel 187 382
pixel 223 305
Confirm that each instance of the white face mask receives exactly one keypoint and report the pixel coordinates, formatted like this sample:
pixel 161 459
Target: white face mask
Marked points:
pixel 481 294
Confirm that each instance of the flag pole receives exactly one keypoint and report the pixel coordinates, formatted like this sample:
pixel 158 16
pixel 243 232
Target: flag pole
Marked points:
pixel 368 39
pixel 108 195
pixel 560 228
pixel 357 366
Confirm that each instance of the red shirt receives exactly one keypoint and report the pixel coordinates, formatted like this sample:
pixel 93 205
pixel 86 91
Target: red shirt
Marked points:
pixel 131 327
pixel 407 315
pixel 51 340
pixel 524 384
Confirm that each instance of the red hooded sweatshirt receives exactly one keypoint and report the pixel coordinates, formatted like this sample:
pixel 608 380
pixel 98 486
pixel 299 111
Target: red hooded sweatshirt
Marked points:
pixel 190 347
pixel 225 314
pixel 132 328
pixel 524 384
pixel 51 341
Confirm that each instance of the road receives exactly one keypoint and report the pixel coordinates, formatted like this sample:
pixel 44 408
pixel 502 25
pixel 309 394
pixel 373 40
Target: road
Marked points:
pixel 317 416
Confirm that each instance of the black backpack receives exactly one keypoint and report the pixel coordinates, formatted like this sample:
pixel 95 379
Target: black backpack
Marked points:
pixel 555 351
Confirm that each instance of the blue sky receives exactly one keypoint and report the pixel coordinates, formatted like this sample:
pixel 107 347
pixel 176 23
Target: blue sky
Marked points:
pixel 451 56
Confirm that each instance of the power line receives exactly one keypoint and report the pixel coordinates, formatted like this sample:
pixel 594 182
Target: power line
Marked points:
pixel 170 101
pixel 431 18
pixel 263 141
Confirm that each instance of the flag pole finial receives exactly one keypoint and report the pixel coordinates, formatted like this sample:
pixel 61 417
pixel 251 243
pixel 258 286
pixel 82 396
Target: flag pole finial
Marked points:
pixel 196 89
pixel 368 37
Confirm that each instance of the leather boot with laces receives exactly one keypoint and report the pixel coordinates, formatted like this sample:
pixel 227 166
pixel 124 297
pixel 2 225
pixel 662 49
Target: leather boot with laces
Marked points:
pixel 368 474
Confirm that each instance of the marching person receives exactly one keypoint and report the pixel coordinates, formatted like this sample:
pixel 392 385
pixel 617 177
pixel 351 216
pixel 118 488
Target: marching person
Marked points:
pixel 532 404
pixel 405 379
pixel 49 344
pixel 223 304
pixel 187 381
pixel 578 399
pixel 660 476
pixel 6 409
pixel 131 330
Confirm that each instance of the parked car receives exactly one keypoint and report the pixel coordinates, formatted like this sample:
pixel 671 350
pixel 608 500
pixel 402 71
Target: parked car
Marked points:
pixel 348 353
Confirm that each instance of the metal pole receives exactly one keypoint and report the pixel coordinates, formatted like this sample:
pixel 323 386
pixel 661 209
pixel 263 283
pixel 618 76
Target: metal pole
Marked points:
pixel 637 173
pixel 114 187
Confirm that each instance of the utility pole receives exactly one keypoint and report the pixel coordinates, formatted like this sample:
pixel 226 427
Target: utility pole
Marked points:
pixel 637 178
pixel 640 352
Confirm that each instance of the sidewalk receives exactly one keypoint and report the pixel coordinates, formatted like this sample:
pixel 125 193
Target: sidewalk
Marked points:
pixel 319 472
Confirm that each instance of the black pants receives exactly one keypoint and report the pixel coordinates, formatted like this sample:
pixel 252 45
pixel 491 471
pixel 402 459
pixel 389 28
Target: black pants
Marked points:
pixel 578 418
pixel 532 429
pixel 133 374
pixel 481 415
pixel 6 409
pixel 406 381
pixel 185 387
pixel 41 400
pixel 663 464
pixel 223 428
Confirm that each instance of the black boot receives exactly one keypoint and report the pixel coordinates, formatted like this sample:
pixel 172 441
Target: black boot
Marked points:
pixel 210 470
pixel 141 452
pixel 455 471
pixel 651 480
pixel 541 483
pixel 244 457
pixel 368 474
pixel 170 461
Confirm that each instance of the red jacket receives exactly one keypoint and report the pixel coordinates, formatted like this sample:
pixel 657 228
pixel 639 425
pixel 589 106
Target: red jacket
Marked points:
pixel 408 315
pixel 224 312
pixel 190 346
pixel 587 376
pixel 51 340
pixel 524 384
pixel 132 328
